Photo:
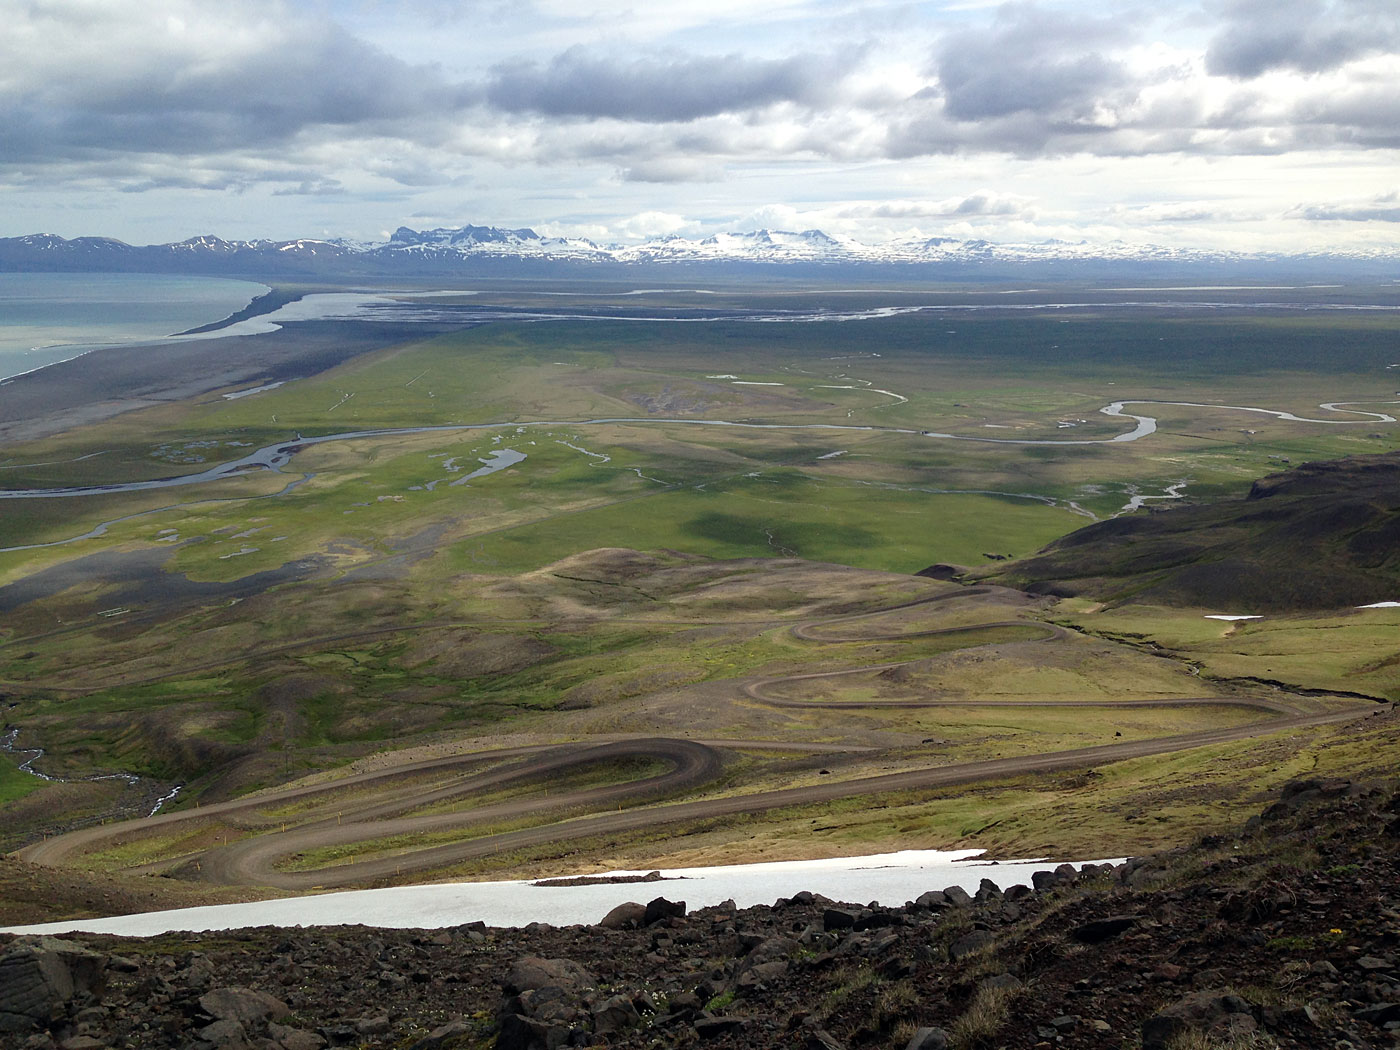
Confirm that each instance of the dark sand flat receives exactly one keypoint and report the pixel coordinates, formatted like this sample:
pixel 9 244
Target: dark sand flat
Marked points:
pixel 106 383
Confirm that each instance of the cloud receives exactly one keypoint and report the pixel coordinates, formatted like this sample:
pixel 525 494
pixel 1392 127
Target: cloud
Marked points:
pixel 677 169
pixel 562 110
pixel 977 204
pixel 579 83
pixel 1310 36
pixel 84 79
pixel 652 224
pixel 1383 208
pixel 312 188
pixel 1172 212
pixel 1031 60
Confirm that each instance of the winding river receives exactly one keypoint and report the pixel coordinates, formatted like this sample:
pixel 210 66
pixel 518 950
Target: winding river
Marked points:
pixel 275 457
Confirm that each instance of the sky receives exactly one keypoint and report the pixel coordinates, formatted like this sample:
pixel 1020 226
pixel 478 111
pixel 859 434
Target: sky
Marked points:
pixel 1230 124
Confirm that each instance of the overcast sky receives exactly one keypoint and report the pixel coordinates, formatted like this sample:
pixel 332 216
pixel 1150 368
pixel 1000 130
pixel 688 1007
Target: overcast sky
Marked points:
pixel 1271 124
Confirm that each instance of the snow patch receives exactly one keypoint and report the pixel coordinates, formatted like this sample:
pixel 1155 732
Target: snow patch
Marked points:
pixel 889 879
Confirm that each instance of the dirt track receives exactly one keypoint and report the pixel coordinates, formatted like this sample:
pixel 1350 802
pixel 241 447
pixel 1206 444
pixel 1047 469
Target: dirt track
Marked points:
pixel 391 810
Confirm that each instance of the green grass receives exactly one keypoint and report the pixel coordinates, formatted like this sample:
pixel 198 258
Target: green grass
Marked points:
pixel 600 645
pixel 786 514
pixel 1354 651
pixel 14 782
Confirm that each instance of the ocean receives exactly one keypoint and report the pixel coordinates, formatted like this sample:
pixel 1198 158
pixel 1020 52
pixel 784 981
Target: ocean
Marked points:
pixel 51 317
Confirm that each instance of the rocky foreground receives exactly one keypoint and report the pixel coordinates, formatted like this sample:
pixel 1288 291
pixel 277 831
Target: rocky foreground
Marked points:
pixel 1284 935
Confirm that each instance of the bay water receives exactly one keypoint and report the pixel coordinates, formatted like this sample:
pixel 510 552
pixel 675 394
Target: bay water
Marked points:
pixel 51 317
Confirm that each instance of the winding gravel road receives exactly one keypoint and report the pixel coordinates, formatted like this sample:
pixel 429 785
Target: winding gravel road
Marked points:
pixel 389 805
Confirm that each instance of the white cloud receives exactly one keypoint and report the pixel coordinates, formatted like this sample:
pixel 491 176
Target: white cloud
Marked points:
pixel 870 117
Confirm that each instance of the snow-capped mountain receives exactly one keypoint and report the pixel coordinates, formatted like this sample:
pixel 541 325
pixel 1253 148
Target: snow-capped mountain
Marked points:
pixel 483 250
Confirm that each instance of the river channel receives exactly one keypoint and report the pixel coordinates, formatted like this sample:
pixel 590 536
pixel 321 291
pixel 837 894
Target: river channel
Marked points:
pixel 275 457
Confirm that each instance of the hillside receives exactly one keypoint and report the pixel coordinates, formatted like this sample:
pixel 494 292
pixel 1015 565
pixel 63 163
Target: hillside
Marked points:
pixel 1279 935
pixel 1323 535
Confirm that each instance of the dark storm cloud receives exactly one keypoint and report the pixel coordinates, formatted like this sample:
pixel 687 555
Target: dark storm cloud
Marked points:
pixel 1311 36
pixel 1030 60
pixel 578 83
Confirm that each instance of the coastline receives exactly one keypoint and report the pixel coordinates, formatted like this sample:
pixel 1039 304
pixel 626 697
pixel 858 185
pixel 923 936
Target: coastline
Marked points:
pixel 90 329
pixel 101 384
pixel 270 301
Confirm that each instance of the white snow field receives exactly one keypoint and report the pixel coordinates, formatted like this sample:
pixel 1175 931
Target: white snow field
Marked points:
pixel 888 878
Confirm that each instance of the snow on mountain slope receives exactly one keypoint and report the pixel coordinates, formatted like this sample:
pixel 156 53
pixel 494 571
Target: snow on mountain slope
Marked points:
pixel 445 247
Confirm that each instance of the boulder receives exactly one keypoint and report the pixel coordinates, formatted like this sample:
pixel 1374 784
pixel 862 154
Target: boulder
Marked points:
pixel 1000 980
pixel 614 1015
pixel 839 918
pixel 772 949
pixel 757 976
pixel 928 1039
pixel 714 1027
pixel 957 896
pixel 1379 1014
pixel 532 973
pixel 659 909
pixel 294 1038
pixel 550 1003
pixel 456 1033
pixel 225 1032
pixel 970 944
pixel 1096 931
pixel 1213 1013
pixel 39 978
pixel 525 1033
pixel 626 916
pixel 244 1005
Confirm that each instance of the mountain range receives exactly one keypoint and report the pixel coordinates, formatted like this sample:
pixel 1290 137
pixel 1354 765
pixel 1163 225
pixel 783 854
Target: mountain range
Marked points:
pixel 491 250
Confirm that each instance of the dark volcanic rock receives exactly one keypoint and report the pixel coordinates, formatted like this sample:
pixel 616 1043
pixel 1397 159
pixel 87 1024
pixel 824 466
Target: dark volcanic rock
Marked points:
pixel 532 973
pixel 970 944
pixel 660 909
pixel 242 1005
pixel 40 977
pixel 1214 1014
pixel 1161 948
pixel 627 916
pixel 1099 930
pixel 928 1039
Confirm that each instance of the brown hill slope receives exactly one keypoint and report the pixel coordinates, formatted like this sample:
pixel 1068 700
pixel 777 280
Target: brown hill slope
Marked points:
pixel 1321 536
pixel 1282 936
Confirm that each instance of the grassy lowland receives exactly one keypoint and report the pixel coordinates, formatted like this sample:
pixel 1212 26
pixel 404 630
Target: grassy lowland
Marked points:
pixel 323 647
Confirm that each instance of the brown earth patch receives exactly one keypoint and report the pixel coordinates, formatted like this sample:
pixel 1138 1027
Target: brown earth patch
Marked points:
pixel 468 654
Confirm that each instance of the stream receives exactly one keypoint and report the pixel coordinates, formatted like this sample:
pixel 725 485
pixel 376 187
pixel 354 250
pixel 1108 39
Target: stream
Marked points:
pixel 7 745
pixel 275 457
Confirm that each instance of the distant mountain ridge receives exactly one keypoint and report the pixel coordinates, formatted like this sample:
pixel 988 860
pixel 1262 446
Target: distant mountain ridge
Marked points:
pixel 485 250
